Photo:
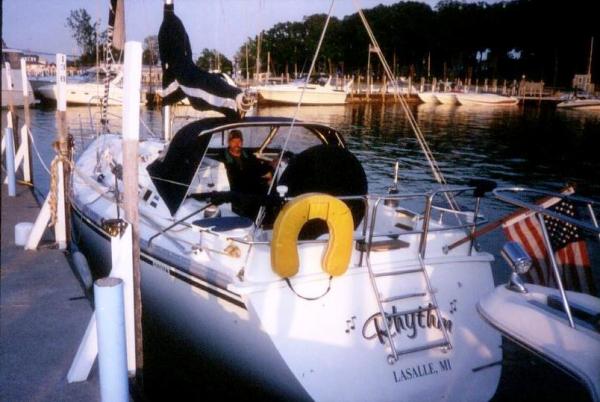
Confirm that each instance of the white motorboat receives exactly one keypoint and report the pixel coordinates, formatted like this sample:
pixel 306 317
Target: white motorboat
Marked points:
pixel 303 319
pixel 447 98
pixel 310 94
pixel 87 90
pixel 580 104
pixel 471 98
pixel 15 93
pixel 561 326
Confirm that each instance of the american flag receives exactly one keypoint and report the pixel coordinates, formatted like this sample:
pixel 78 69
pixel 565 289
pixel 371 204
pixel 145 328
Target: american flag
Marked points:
pixel 569 247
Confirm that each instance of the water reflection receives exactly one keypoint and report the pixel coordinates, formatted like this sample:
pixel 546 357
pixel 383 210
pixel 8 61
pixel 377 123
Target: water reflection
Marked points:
pixel 521 145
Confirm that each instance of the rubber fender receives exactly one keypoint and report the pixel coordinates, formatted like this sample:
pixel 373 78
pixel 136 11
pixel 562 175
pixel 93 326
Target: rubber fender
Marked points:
pixel 284 245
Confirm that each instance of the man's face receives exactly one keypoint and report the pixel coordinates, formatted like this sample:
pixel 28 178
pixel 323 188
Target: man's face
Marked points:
pixel 235 146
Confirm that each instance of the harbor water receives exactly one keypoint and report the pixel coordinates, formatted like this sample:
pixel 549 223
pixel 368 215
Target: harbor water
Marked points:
pixel 529 145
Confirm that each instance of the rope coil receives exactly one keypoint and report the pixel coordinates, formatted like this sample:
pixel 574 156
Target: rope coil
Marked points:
pixel 53 194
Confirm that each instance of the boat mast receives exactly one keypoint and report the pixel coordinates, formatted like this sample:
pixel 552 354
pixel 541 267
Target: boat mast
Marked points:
pixel 258 43
pixel 590 61
pixel 115 14
pixel 167 129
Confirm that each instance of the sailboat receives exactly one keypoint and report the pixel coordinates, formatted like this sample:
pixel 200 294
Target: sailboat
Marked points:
pixel 584 101
pixel 326 292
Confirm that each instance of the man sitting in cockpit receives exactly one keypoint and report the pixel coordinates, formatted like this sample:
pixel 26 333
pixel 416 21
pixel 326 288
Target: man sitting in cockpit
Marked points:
pixel 247 176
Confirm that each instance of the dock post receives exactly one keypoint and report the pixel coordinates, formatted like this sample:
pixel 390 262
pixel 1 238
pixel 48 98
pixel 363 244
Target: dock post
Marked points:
pixel 22 152
pixel 10 162
pixel 27 160
pixel 121 260
pixel 131 132
pixel 11 108
pixel 56 201
pixel 112 361
pixel 62 226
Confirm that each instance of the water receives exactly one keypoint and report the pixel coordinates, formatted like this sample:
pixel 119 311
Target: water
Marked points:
pixel 530 145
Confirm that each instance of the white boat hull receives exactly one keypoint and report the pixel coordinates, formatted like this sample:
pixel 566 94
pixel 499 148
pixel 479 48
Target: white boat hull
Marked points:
pixel 326 350
pixel 84 94
pixel 530 320
pixel 428 97
pixel 290 94
pixel 447 98
pixel 485 99
pixel 581 104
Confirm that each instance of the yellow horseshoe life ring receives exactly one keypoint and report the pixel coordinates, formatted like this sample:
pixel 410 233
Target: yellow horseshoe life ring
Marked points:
pixel 289 222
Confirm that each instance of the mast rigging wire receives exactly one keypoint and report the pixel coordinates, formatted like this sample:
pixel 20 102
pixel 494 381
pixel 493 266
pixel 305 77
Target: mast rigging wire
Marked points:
pixel 437 173
pixel 261 212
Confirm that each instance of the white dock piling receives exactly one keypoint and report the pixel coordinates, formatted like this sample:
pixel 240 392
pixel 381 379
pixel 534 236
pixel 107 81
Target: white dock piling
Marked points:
pixel 10 162
pixel 121 255
pixel 112 360
pixel 24 146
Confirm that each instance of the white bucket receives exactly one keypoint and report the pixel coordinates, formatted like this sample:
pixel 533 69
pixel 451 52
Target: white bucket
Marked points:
pixel 22 231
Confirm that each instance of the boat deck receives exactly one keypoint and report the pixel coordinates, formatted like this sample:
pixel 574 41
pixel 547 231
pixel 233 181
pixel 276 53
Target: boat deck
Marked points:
pixel 44 315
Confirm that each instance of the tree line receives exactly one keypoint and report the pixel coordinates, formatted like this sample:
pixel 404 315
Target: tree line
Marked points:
pixel 537 39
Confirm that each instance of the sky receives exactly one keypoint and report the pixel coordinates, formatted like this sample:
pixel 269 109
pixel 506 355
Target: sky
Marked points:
pixel 39 25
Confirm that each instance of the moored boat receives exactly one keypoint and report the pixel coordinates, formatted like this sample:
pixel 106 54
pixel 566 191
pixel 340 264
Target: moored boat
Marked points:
pixel 428 97
pixel 580 104
pixel 562 326
pixel 447 98
pixel 470 98
pixel 85 90
pixel 310 94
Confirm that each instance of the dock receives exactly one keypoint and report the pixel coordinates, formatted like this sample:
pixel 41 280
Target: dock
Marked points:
pixel 43 315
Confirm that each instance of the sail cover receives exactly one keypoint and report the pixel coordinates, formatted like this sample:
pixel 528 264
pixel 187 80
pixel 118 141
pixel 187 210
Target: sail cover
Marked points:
pixel 182 78
pixel 116 20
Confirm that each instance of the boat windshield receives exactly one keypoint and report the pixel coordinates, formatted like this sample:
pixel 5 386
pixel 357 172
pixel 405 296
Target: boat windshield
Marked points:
pixel 320 80
pixel 197 146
